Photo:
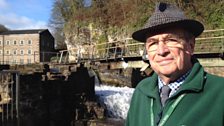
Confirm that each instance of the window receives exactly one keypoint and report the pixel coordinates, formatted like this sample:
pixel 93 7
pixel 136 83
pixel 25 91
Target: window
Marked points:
pixel 7 42
pixel 21 42
pixel 29 61
pixel 14 42
pixel 0 42
pixel 29 42
pixel 0 52
pixel 7 52
pixel 29 52
pixel 14 52
pixel 21 52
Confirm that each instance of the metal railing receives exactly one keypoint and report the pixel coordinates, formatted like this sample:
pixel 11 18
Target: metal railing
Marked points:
pixel 210 41
pixel 126 47
pixel 9 102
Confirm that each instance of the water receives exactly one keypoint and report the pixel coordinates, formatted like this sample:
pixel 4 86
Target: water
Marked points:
pixel 115 99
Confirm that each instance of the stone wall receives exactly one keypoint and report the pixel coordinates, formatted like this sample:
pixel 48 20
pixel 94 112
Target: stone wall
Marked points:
pixel 56 98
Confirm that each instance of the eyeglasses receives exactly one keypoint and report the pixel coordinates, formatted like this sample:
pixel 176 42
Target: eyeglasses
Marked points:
pixel 169 42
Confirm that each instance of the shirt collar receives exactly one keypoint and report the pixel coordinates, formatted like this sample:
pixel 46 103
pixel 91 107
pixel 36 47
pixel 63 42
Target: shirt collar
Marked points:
pixel 174 86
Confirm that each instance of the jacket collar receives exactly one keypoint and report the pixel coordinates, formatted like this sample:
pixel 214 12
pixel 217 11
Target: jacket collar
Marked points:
pixel 195 80
pixel 149 86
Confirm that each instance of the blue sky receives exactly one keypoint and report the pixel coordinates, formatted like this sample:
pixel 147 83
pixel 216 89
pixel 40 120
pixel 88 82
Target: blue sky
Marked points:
pixel 25 14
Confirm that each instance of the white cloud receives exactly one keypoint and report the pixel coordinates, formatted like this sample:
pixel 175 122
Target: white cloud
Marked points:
pixel 13 21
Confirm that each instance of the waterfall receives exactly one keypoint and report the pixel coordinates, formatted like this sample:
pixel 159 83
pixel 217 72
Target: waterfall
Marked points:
pixel 93 73
pixel 115 99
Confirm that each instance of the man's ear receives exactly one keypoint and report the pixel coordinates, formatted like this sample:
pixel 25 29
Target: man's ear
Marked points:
pixel 192 45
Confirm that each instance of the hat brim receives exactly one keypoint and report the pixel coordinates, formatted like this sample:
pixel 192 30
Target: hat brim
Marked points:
pixel 192 26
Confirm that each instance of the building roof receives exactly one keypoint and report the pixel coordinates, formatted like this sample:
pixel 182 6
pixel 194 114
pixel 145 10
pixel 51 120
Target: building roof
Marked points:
pixel 29 31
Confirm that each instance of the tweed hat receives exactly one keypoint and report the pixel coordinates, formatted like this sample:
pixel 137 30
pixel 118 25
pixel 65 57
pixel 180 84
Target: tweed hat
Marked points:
pixel 167 15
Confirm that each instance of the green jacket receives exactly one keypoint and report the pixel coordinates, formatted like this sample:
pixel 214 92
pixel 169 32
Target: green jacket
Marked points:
pixel 203 104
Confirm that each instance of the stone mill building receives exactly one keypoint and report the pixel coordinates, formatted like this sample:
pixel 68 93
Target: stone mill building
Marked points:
pixel 26 46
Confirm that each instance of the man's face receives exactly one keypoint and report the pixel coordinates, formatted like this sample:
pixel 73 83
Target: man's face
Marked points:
pixel 169 52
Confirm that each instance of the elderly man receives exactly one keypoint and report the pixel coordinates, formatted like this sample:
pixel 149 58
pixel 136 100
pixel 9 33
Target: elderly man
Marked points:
pixel 180 92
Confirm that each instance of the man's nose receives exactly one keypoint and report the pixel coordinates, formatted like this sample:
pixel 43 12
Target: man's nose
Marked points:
pixel 162 48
